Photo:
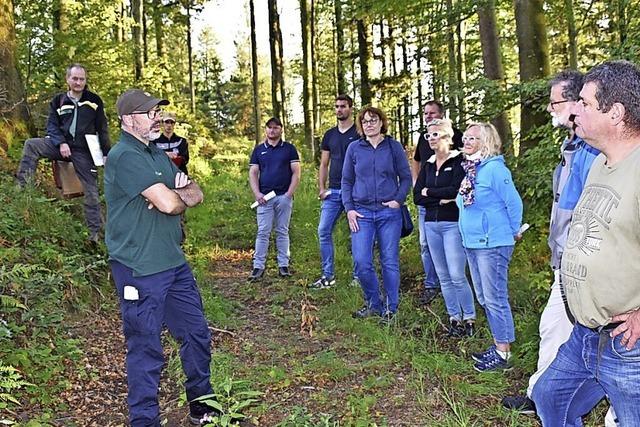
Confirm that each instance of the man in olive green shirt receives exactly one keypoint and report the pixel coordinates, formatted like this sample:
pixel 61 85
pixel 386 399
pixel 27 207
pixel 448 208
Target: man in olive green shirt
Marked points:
pixel 145 194
pixel 600 268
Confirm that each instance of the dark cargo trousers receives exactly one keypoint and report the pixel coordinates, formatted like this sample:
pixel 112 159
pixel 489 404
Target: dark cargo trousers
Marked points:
pixel 39 148
pixel 172 298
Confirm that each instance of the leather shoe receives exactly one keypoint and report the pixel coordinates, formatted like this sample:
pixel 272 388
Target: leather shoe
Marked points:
pixel 284 271
pixel 256 274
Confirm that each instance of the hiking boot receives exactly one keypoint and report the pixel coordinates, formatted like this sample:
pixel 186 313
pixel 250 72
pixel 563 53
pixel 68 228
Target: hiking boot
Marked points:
pixel 284 272
pixel 323 283
pixel 469 327
pixel 256 274
pixel 429 295
pixel 522 404
pixel 355 283
pixel 482 355
pixel 456 330
pixel 387 317
pixel 365 312
pixel 200 413
pixel 493 363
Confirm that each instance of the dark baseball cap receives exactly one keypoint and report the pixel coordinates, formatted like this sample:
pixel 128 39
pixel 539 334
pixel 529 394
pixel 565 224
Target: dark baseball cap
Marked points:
pixel 137 101
pixel 274 121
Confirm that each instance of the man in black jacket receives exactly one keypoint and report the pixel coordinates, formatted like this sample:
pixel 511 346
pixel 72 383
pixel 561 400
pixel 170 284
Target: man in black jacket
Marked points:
pixel 72 115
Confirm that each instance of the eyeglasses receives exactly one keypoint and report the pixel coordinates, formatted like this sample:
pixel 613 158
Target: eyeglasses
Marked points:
pixel 470 139
pixel 371 122
pixel 169 121
pixel 151 114
pixel 434 135
pixel 553 104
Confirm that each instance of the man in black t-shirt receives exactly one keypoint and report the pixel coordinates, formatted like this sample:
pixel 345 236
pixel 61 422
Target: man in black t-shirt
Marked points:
pixel 334 145
pixel 175 146
pixel 432 110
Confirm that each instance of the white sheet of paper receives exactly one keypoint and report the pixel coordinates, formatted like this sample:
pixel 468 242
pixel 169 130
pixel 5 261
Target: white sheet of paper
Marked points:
pixel 270 195
pixel 94 148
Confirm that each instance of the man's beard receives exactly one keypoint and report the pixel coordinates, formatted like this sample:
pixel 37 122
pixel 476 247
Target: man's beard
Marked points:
pixel 557 122
pixel 153 134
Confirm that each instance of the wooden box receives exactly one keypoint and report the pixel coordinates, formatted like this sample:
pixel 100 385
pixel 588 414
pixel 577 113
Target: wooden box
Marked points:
pixel 66 179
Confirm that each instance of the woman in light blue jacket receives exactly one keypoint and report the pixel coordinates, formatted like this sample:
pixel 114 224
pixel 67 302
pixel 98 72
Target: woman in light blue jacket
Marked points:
pixel 490 217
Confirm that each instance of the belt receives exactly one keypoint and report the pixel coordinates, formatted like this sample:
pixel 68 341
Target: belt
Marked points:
pixel 606 328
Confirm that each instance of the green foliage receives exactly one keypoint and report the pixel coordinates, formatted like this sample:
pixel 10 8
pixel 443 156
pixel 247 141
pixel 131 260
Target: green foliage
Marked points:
pixel 230 397
pixel 11 381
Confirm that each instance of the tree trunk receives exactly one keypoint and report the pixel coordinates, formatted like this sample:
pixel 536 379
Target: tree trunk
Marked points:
pixel 13 105
pixel 452 66
pixel 572 34
pixel 406 132
pixel 254 74
pixel 460 71
pixel 339 29
pixel 418 57
pixel 277 68
pixel 161 52
pixel 145 31
pixel 192 88
pixel 137 10
pixel 620 20
pixel 314 75
pixel 493 70
pixel 307 93
pixel 533 56
pixel 364 56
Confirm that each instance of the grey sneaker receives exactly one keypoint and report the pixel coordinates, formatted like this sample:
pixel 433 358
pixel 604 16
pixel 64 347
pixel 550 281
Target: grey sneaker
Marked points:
pixel 387 318
pixel 522 404
pixel 323 283
pixel 365 312
pixel 355 283
pixel 493 363
pixel 429 295
pixel 200 413
pixel 256 274
pixel 482 355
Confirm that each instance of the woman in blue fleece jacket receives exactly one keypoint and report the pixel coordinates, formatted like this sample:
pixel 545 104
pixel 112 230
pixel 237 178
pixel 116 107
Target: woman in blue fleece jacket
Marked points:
pixel 375 182
pixel 490 216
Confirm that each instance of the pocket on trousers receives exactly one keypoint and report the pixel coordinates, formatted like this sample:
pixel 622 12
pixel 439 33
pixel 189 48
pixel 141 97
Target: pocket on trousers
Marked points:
pixel 621 351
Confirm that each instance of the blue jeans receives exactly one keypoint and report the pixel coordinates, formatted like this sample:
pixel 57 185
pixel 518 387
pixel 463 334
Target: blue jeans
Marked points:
pixel 489 271
pixel 587 367
pixel 331 210
pixel 170 297
pixel 384 226
pixel 430 277
pixel 278 211
pixel 445 245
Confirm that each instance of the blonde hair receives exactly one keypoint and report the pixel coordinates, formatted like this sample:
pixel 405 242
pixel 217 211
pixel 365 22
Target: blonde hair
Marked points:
pixel 445 124
pixel 490 143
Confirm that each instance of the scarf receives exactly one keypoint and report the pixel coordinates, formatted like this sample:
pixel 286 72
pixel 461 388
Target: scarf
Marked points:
pixel 468 185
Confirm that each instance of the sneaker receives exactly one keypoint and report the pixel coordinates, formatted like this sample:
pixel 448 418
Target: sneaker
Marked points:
pixel 200 413
pixel 365 312
pixel 456 330
pixel 493 363
pixel 429 295
pixel 469 327
pixel 522 404
pixel 323 283
pixel 387 317
pixel 355 283
pixel 94 237
pixel 256 274
pixel 284 272
pixel 483 355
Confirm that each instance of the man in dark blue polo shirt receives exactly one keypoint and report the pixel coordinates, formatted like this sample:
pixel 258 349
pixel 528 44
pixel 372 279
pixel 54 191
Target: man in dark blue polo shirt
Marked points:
pixel 145 194
pixel 274 167
pixel 334 146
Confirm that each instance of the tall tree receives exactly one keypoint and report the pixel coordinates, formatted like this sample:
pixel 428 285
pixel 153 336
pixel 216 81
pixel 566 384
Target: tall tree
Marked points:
pixel 533 58
pixel 161 51
pixel 307 77
pixel 192 88
pixel 340 55
pixel 137 12
pixel 254 73
pixel 13 105
pixel 364 56
pixel 277 67
pixel 492 60
pixel 572 34
pixel 452 66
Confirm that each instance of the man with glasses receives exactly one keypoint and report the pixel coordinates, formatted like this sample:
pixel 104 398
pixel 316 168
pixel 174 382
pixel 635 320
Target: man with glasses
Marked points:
pixel 334 146
pixel 274 169
pixel 599 267
pixel 173 145
pixel 568 181
pixel 145 194
pixel 432 110
pixel 72 115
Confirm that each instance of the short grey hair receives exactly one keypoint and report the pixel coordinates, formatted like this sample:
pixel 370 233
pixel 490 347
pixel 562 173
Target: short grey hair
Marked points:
pixel 571 81
pixel 75 65
pixel 618 82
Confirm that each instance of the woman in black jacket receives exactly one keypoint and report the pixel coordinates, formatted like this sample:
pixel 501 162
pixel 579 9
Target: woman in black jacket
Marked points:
pixel 436 189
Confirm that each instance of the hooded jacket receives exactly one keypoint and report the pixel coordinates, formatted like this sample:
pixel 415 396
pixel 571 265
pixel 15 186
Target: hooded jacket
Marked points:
pixel 442 186
pixel 494 218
